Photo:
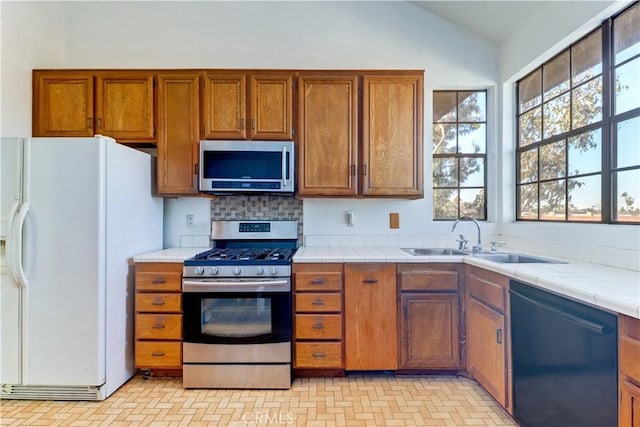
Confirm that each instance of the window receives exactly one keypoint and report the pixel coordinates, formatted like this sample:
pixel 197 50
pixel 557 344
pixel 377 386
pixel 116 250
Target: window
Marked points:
pixel 459 154
pixel 578 125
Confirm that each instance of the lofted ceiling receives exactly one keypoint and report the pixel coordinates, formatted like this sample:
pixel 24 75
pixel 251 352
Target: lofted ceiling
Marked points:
pixel 495 21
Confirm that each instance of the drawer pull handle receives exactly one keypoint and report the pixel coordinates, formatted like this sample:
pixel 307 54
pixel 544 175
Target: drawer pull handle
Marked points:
pixel 370 281
pixel 319 354
pixel 318 281
pixel 318 326
pixel 318 302
pixel 499 336
pixel 157 353
pixel 158 326
pixel 158 302
pixel 158 280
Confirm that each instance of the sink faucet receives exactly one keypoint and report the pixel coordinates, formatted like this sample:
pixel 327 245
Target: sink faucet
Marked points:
pixel 477 248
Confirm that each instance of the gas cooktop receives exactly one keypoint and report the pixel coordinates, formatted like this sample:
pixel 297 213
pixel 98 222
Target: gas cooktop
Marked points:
pixel 242 256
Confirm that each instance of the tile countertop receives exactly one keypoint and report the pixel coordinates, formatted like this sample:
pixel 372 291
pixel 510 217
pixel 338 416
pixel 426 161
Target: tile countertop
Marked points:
pixel 169 255
pixel 610 288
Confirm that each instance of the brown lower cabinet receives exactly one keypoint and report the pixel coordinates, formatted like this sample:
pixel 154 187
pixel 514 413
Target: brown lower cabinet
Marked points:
pixel 371 334
pixel 487 334
pixel 629 371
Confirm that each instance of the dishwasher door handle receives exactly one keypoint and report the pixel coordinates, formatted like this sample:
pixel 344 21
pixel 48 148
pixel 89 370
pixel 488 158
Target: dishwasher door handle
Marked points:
pixel 578 321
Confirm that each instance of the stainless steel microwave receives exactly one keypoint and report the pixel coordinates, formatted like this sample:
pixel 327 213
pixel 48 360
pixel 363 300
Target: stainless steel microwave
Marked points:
pixel 247 167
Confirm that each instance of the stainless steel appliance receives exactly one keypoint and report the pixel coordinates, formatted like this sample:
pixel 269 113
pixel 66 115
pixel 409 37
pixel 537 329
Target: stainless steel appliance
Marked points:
pixel 247 167
pixel 237 307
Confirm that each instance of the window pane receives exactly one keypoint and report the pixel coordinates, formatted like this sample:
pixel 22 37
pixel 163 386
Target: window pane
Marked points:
pixel 472 203
pixel 471 106
pixel 587 103
pixel 444 138
pixel 530 127
pixel 472 138
pixel 529 165
pixel 552 200
pixel 628 195
pixel 555 76
pixel 584 198
pixel 586 58
pixel 628 137
pixel 552 160
pixel 585 153
pixel 528 206
pixel 471 172
pixel 530 91
pixel 445 204
pixel 556 116
pixel 628 86
pixel 444 106
pixel 626 34
pixel 445 172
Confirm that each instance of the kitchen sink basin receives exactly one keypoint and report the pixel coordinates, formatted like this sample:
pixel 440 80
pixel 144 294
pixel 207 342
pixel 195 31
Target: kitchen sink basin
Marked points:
pixel 432 251
pixel 514 258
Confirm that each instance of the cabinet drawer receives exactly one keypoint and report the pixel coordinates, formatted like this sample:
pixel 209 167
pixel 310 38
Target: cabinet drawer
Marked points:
pixel 318 355
pixel 437 280
pixel 318 302
pixel 318 326
pixel 318 281
pixel 159 302
pixel 158 354
pixel 159 326
pixel 160 281
pixel 491 293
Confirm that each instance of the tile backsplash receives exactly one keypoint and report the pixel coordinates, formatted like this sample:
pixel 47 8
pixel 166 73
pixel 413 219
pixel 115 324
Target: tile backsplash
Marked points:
pixel 257 208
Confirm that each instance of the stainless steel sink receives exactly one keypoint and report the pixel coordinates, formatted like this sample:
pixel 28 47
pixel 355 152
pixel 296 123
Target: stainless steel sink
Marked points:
pixel 432 251
pixel 514 258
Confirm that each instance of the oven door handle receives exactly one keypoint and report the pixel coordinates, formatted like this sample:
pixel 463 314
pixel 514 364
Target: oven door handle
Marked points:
pixel 217 284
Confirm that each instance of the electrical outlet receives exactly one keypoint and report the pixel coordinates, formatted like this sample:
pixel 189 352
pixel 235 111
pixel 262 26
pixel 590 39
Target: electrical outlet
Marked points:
pixel 394 220
pixel 190 219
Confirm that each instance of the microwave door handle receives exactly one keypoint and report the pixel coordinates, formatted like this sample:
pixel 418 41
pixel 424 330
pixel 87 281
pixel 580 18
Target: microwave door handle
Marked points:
pixel 284 166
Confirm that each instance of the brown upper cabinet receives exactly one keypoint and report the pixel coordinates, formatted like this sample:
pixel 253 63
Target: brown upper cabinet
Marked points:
pixel 119 104
pixel 392 163
pixel 328 136
pixel 269 113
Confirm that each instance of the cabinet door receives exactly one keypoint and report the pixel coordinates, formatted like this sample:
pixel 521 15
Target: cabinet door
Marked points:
pixel 271 109
pixel 629 415
pixel 371 336
pixel 124 105
pixel 178 124
pixel 486 349
pixel 392 136
pixel 62 103
pixel 429 331
pixel 328 136
pixel 225 100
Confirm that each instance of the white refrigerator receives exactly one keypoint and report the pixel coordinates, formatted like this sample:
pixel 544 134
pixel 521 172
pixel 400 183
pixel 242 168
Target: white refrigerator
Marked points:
pixel 74 211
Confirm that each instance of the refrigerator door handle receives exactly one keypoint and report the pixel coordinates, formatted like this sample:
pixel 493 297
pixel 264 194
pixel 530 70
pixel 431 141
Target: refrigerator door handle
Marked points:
pixel 12 241
pixel 18 267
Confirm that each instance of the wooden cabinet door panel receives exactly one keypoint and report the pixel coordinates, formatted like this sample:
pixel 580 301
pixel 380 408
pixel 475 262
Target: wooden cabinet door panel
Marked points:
pixel 62 104
pixel 392 136
pixel 271 107
pixel 486 350
pixel 224 109
pixel 327 139
pixel 371 335
pixel 629 413
pixel 178 136
pixel 429 331
pixel 124 105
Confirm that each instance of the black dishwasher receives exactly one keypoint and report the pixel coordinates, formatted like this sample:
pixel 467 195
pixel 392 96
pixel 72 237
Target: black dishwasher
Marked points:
pixel 565 361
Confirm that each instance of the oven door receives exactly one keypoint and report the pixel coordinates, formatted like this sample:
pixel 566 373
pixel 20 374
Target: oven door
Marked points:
pixel 236 316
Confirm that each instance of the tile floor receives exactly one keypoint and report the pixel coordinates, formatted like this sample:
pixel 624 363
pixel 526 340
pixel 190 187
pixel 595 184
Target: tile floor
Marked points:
pixel 357 400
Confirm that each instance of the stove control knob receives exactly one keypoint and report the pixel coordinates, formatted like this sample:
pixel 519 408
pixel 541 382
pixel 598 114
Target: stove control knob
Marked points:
pixel 274 271
pixel 213 271
pixel 198 270
pixel 260 271
pixel 236 271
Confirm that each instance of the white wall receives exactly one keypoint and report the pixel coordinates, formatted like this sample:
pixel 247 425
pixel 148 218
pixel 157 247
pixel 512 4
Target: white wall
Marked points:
pixel 31 35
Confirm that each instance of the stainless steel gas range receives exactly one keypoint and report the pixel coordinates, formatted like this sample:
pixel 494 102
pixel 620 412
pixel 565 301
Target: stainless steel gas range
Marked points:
pixel 237 307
